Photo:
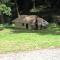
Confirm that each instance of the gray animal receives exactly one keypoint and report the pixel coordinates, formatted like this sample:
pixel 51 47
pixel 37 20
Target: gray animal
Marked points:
pixel 42 23
pixel 39 23
pixel 35 22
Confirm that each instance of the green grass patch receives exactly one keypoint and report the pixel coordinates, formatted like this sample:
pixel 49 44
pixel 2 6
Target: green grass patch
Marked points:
pixel 12 40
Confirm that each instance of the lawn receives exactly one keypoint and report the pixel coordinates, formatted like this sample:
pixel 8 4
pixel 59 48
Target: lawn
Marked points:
pixel 13 40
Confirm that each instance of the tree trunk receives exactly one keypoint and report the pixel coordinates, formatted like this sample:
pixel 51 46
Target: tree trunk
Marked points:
pixel 2 18
pixel 17 8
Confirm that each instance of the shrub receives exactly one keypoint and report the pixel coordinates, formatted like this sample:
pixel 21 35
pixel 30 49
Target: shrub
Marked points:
pixel 5 9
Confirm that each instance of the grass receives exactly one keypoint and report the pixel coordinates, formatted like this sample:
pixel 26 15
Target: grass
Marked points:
pixel 13 40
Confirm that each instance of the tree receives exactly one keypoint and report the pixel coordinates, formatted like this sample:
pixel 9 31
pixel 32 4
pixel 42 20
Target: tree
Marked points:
pixel 4 9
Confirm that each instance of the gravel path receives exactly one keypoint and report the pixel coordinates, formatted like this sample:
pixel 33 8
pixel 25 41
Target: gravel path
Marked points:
pixel 43 54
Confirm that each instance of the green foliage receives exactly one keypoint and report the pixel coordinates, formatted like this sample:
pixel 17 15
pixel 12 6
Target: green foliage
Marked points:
pixel 14 40
pixel 4 1
pixel 5 9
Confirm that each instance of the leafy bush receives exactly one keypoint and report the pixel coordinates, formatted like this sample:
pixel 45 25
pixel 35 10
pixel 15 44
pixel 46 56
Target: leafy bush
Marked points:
pixel 5 9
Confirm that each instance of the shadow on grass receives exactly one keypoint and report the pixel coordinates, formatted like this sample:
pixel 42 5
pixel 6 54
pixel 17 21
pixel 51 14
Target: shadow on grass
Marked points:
pixel 53 29
pixel 49 30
